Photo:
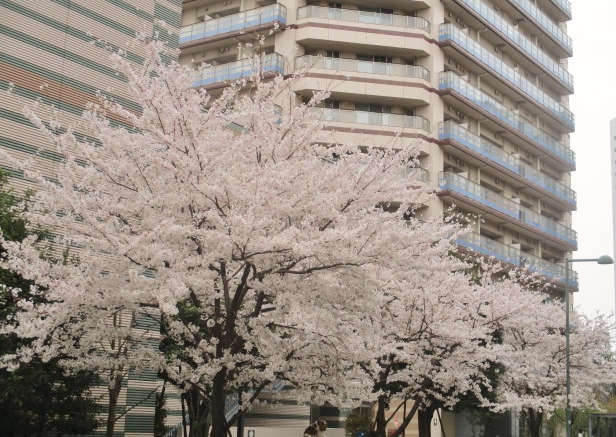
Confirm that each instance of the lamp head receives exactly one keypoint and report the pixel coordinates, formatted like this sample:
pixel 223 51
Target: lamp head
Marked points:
pixel 605 259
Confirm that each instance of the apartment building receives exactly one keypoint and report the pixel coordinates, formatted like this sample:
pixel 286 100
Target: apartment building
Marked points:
pixel 484 85
pixel 57 51
pixel 483 82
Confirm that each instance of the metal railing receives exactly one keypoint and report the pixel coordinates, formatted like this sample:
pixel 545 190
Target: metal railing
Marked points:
pixel 449 32
pixel 376 118
pixel 340 64
pixel 232 402
pixel 270 63
pixel 564 4
pixel 466 187
pixel 453 131
pixel 363 17
pixel 548 25
pixel 517 39
pixel 276 13
pixel 416 174
pixel 450 80
pixel 509 254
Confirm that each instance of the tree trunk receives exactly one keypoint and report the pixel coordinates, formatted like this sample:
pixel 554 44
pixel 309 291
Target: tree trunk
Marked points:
pixel 219 422
pixel 115 387
pixel 424 417
pixel 198 413
pixel 534 419
pixel 381 422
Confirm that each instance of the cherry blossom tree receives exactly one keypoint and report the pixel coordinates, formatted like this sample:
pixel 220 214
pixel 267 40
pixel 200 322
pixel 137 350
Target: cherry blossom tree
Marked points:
pixel 262 251
pixel 434 339
pixel 254 244
pixel 534 359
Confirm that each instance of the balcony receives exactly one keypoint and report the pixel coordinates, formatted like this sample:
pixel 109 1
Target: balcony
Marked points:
pixel 448 32
pixel 550 27
pixel 564 5
pixel 376 118
pixel 272 63
pixel 449 81
pixel 266 17
pixel 517 40
pixel 502 252
pixel 491 154
pixel 356 16
pixel 416 174
pixel 449 181
pixel 338 64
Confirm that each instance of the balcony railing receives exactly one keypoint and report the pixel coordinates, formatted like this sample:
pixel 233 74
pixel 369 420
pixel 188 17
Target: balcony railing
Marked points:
pixel 519 40
pixel 450 80
pixel 453 131
pixel 270 63
pixel 495 201
pixel 276 13
pixel 565 5
pixel 548 25
pixel 417 174
pixel 449 32
pixel 358 66
pixel 363 17
pixel 376 118
pixel 512 255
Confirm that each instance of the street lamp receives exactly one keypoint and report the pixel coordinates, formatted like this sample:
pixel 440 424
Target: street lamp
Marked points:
pixel 601 260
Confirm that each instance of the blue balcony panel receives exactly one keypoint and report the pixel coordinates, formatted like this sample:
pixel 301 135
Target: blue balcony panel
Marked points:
pixel 529 219
pixel 271 15
pixel 511 255
pixel 449 81
pixel 551 28
pixel 489 153
pixel 272 63
pixel 519 40
pixel 474 50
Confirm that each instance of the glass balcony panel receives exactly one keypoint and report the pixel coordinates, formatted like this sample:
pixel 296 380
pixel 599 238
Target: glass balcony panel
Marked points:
pixel 449 80
pixel 376 118
pixel 512 255
pixel 333 14
pixel 365 67
pixel 242 20
pixel 363 17
pixel 416 174
pixel 449 32
pixel 375 18
pixel 451 130
pixel 518 39
pixel 269 63
pixel 547 24
pixel 414 71
pixel 330 63
pixel 565 5
pixel 474 191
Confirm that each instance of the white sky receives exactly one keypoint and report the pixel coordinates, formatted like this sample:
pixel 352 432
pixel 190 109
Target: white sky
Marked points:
pixel 593 30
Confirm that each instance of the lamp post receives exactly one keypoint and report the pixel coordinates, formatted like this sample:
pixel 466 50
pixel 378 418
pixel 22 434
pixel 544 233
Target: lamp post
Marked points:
pixel 604 259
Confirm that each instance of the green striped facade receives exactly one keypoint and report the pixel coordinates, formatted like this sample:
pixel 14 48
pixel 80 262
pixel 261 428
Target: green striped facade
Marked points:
pixel 57 52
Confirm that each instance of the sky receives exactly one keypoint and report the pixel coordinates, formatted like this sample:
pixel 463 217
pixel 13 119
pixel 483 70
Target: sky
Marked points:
pixel 593 30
